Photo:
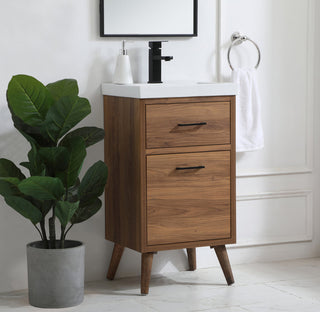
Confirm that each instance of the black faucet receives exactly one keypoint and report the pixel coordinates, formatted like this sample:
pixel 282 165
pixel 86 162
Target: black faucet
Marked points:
pixel 155 59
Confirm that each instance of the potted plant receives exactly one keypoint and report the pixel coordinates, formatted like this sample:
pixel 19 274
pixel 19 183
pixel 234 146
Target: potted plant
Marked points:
pixel 53 194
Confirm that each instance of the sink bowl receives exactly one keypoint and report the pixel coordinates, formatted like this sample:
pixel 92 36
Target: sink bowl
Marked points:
pixel 167 90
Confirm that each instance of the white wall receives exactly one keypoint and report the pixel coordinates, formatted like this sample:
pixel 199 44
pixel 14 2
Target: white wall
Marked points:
pixel 285 33
pixel 277 187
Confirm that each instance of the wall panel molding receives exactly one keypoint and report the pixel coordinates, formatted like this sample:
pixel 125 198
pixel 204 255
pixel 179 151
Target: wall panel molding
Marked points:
pixel 310 100
pixel 274 171
pixel 305 195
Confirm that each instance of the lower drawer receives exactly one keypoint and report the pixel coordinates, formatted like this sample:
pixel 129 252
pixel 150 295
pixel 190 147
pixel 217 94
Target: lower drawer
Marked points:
pixel 188 197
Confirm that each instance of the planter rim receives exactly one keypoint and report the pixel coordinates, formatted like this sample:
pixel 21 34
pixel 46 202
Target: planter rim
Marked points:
pixel 79 244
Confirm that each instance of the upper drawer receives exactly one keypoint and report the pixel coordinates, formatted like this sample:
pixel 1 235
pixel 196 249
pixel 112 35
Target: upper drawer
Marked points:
pixel 174 125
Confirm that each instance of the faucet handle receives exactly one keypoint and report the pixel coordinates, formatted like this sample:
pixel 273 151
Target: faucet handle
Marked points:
pixel 167 58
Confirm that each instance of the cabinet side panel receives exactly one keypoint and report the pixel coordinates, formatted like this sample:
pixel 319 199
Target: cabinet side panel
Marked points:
pixel 122 155
pixel 233 170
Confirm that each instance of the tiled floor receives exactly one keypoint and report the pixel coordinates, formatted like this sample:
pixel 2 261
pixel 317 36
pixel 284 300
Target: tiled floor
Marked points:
pixel 279 286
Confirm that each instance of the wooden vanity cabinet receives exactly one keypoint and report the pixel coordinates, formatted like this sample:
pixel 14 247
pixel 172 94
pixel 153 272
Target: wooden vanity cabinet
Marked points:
pixel 171 181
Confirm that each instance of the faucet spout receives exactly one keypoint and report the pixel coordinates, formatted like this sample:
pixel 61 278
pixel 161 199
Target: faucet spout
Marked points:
pixel 155 59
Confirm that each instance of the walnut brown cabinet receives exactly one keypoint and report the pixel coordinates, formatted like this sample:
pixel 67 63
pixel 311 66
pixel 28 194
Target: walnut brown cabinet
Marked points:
pixel 171 178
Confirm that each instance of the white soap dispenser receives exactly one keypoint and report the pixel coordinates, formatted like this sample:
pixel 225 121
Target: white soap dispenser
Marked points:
pixel 122 73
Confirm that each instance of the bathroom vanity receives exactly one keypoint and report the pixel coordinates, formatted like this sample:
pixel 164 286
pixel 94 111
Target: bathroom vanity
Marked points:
pixel 170 149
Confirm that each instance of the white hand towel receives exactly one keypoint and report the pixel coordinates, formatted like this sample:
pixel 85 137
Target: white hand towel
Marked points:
pixel 249 132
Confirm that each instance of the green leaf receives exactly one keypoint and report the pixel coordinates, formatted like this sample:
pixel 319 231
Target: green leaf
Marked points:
pixel 86 211
pixel 35 135
pixel 9 186
pixel 90 135
pixel 65 211
pixel 93 182
pixel 77 153
pixel 43 205
pixel 55 158
pixel 42 188
pixel 73 192
pixel 25 164
pixel 9 169
pixel 35 165
pixel 63 87
pixel 65 114
pixel 25 208
pixel 28 99
pixel 46 206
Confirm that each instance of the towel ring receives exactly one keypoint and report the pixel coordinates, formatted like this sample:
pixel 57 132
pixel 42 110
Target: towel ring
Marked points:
pixel 237 39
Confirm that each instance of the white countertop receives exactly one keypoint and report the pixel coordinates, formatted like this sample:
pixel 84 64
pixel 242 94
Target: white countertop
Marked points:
pixel 168 90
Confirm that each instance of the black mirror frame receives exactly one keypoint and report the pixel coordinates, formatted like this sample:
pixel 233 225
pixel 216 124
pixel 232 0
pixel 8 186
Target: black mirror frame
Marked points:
pixel 195 26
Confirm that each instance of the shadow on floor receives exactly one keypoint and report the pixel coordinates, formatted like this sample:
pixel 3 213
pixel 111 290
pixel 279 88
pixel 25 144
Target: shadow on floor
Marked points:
pixel 131 286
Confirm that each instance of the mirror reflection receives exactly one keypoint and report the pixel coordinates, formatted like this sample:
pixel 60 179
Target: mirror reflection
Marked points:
pixel 148 18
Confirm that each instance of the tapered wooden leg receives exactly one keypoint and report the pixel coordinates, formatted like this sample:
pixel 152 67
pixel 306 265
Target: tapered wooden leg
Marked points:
pixel 115 260
pixel 223 258
pixel 146 265
pixel 192 259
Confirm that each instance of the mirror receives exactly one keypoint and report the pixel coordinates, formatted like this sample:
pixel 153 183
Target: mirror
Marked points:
pixel 148 18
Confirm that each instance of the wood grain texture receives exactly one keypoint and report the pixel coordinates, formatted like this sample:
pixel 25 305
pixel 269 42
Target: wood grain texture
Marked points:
pixel 115 260
pixel 188 149
pixel 163 130
pixel 223 258
pixel 188 205
pixel 150 206
pixel 126 214
pixel 192 259
pixel 183 100
pixel 143 179
pixel 124 148
pixel 190 244
pixel 146 266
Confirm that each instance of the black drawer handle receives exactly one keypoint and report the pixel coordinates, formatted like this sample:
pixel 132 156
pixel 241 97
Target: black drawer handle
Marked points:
pixel 192 124
pixel 190 168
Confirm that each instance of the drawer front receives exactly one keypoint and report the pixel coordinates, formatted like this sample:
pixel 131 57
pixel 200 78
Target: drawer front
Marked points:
pixel 175 125
pixel 185 205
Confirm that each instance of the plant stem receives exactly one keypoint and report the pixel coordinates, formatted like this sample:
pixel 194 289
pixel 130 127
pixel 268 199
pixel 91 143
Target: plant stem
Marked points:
pixel 44 234
pixel 38 231
pixel 62 236
pixel 52 229
pixel 67 190
pixel 68 231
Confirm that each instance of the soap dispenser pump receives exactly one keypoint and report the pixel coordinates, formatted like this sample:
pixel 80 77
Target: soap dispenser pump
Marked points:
pixel 122 73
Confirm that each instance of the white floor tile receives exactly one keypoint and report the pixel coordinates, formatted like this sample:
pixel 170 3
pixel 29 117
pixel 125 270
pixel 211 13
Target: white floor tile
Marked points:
pixel 289 306
pixel 277 271
pixel 280 286
pixel 305 289
pixel 228 309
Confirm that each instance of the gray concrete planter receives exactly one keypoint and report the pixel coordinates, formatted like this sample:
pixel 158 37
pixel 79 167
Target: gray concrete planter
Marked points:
pixel 55 276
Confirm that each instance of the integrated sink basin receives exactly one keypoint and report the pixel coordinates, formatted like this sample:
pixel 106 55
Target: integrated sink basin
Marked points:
pixel 167 90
